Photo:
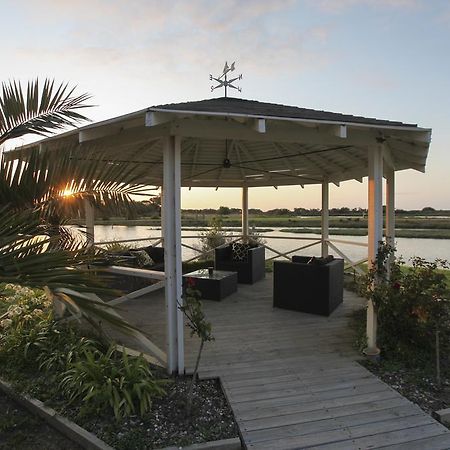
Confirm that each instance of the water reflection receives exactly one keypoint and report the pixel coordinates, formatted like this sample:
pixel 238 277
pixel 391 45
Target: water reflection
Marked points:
pixel 407 247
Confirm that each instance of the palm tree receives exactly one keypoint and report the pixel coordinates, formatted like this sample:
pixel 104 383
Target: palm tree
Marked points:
pixel 40 111
pixel 37 249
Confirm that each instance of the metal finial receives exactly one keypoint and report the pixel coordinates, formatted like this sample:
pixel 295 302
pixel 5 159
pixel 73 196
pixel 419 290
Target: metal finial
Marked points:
pixel 223 81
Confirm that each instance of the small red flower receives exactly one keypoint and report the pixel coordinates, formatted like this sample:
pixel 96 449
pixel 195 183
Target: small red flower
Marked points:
pixel 396 285
pixel 190 282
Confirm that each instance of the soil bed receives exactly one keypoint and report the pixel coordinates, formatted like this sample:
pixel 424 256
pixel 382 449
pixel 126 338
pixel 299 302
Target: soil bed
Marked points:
pixel 165 425
pixel 416 384
pixel 21 430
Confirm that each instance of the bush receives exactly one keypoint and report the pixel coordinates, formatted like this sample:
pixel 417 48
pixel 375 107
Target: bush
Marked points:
pixel 212 238
pixel 107 380
pixel 91 375
pixel 412 305
pixel 26 324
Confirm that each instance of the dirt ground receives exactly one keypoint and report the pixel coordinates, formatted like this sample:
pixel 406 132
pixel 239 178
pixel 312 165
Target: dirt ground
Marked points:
pixel 19 430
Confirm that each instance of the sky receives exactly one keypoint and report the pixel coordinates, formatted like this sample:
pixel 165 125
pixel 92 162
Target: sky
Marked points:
pixel 388 59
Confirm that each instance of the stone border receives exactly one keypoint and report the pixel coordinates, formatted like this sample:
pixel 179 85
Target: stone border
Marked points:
pixel 88 440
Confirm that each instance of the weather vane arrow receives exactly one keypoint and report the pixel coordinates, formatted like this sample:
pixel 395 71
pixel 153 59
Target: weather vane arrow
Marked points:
pixel 223 80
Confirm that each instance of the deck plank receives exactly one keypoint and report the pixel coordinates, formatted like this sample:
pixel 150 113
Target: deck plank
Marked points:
pixel 292 379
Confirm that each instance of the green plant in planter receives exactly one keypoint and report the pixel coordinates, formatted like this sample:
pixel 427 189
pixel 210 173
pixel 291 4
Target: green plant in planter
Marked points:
pixel 110 380
pixel 214 237
pixel 200 327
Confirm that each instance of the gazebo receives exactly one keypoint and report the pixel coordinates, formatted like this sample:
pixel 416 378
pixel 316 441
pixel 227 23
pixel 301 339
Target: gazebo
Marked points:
pixel 231 142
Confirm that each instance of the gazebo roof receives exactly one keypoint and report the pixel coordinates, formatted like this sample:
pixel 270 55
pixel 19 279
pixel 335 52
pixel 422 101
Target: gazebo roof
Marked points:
pixel 243 107
pixel 236 142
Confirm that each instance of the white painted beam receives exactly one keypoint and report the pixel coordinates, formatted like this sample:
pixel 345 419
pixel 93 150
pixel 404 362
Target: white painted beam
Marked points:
pixel 245 213
pixel 97 131
pixel 172 253
pixel 340 131
pixel 325 218
pixel 390 210
pixel 90 220
pixel 375 232
pixel 388 157
pixel 153 118
pixel 278 132
pixel 259 125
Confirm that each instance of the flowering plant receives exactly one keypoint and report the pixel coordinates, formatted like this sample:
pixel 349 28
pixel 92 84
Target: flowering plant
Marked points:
pixel 24 306
pixel 412 303
pixel 199 325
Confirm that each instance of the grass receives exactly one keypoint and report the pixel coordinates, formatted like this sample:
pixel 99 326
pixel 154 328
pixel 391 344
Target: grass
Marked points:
pixel 404 233
pixel 409 227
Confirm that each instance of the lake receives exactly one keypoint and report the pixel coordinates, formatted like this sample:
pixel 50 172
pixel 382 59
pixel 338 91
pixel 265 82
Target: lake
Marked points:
pixel 429 249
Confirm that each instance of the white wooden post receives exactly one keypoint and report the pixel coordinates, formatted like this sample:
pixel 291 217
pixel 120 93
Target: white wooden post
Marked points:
pixel 245 213
pixel 375 232
pixel 325 218
pixel 390 209
pixel 172 253
pixel 89 218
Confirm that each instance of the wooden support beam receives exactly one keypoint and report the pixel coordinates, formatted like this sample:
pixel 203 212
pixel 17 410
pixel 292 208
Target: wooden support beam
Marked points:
pixel 259 125
pixel 390 211
pixel 172 253
pixel 90 220
pixel 278 132
pixel 375 234
pixel 340 131
pixel 244 215
pixel 153 118
pixel 325 218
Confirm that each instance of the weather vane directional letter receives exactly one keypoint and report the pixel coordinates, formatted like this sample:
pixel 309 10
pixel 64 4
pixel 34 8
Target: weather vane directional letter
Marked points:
pixel 223 81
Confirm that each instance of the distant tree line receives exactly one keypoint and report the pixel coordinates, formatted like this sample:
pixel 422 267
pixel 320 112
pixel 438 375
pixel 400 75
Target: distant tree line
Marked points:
pixel 152 208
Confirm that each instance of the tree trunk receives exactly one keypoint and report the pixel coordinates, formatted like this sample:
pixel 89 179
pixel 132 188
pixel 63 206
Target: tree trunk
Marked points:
pixel 194 376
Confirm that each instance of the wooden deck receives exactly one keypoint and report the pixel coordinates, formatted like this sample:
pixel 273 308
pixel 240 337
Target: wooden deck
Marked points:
pixel 291 378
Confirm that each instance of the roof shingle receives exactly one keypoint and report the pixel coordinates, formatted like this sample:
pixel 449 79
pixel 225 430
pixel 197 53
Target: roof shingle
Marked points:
pixel 230 105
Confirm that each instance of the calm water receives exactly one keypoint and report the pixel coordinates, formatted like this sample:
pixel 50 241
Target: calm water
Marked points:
pixel 407 247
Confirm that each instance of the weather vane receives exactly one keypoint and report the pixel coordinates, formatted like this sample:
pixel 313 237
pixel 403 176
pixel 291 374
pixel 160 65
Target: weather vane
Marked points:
pixel 223 81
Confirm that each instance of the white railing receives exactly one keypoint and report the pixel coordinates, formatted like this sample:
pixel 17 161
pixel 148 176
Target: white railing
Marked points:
pixel 153 352
pixel 333 244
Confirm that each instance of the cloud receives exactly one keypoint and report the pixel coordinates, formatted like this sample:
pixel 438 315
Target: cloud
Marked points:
pixel 175 36
pixel 336 6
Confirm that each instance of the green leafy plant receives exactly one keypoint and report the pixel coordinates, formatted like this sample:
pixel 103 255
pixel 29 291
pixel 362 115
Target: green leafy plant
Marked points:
pixel 200 327
pixel 412 304
pixel 27 320
pixel 256 237
pixel 212 238
pixel 122 383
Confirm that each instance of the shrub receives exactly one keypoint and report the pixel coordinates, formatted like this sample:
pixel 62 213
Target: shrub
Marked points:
pixel 412 305
pixel 192 308
pixel 26 323
pixel 212 238
pixel 106 380
pixel 90 374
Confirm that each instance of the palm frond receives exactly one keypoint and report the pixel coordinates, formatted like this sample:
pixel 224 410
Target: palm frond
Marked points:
pixel 43 180
pixel 38 111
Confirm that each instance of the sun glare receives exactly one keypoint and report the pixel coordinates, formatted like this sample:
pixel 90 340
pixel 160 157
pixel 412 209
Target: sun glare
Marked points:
pixel 67 193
